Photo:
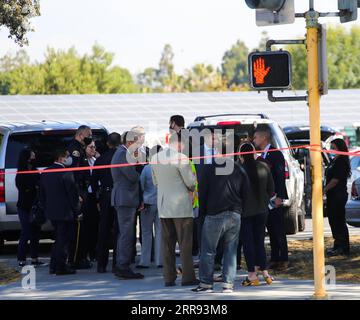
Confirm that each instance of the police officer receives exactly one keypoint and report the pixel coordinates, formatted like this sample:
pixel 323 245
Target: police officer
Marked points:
pixel 102 184
pixel 76 149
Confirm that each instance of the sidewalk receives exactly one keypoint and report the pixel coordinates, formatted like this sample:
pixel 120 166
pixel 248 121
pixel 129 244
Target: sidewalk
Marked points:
pixel 87 284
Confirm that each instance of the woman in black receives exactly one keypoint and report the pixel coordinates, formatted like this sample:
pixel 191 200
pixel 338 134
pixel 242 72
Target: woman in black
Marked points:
pixel 336 197
pixel 255 214
pixel 27 185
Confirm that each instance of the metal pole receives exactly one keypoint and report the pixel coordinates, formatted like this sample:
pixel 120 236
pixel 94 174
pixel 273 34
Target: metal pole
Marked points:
pixel 316 160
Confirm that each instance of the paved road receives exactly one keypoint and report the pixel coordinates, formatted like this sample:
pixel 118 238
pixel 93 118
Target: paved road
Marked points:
pixel 87 284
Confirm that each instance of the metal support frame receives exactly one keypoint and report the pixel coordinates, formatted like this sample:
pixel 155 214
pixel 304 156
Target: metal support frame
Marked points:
pixel 271 97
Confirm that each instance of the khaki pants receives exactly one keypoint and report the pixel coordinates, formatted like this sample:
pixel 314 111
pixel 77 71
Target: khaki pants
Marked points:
pixel 180 230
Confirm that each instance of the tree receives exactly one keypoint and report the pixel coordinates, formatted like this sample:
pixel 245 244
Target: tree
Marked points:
pixel 162 79
pixel 204 78
pixel 343 59
pixel 64 72
pixel 234 64
pixel 15 15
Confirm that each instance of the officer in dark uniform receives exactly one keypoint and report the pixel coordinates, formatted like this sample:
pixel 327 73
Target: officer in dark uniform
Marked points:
pixel 76 149
pixel 102 184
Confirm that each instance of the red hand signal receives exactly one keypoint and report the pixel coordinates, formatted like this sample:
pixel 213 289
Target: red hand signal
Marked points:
pixel 259 70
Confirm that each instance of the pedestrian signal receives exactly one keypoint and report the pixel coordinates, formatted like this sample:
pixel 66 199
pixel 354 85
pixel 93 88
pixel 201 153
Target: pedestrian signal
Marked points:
pixel 270 70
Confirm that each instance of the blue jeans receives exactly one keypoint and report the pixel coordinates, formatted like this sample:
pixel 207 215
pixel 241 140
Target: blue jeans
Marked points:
pixel 227 225
pixel 28 232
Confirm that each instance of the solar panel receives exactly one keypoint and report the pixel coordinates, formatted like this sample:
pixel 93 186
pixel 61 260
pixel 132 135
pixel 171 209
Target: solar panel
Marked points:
pixel 119 112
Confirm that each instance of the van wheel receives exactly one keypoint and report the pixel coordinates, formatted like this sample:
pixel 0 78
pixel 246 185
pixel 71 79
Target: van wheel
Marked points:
pixel 291 220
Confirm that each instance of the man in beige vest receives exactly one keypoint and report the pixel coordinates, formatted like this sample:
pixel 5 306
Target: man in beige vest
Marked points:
pixel 175 181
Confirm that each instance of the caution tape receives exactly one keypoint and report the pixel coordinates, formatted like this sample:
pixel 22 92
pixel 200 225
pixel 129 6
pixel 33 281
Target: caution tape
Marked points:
pixel 314 148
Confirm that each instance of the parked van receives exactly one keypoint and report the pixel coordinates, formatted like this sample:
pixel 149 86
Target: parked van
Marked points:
pixel 43 137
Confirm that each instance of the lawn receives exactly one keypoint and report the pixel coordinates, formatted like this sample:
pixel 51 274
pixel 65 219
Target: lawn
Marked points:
pixel 301 261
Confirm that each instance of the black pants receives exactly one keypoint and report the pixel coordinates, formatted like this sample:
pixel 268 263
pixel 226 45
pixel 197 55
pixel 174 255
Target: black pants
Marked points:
pixel 336 215
pixel 63 231
pixel 108 230
pixel 91 225
pixel 253 240
pixel 278 241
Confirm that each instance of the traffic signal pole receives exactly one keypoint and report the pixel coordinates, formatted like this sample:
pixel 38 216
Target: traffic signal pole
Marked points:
pixel 312 38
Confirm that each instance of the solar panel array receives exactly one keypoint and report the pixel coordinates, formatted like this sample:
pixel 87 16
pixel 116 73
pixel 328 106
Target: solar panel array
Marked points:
pixel 119 112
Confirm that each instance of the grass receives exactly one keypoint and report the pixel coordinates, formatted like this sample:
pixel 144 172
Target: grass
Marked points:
pixel 8 275
pixel 301 261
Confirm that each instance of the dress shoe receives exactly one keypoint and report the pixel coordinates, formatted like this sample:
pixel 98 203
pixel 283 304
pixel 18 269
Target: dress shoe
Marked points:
pixel 337 252
pixel 128 275
pixel 139 266
pixel 170 284
pixel 191 283
pixel 65 271
pixel 84 264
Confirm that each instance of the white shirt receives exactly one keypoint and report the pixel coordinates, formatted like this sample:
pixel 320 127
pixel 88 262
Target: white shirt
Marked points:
pixel 266 150
pixel 91 162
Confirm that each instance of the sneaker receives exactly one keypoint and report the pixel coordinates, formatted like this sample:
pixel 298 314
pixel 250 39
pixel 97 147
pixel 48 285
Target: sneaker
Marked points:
pixel 203 289
pixel 227 290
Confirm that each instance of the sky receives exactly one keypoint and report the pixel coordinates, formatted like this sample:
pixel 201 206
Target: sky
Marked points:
pixel 200 31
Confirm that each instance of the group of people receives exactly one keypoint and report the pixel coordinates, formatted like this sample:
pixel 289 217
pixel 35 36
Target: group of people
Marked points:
pixel 179 199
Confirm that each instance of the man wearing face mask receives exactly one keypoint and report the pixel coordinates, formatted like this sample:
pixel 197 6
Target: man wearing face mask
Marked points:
pixel 76 149
pixel 60 199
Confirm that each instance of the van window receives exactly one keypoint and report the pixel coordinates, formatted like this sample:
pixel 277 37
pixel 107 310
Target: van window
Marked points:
pixel 43 143
pixel 1 139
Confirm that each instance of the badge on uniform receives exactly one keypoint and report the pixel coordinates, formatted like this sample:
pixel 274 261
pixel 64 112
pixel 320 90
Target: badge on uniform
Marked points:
pixel 76 153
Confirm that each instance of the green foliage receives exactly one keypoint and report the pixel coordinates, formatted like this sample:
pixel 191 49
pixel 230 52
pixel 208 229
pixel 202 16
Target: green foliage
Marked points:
pixel 203 78
pixel 68 72
pixel 15 15
pixel 343 49
pixel 234 64
pixel 64 72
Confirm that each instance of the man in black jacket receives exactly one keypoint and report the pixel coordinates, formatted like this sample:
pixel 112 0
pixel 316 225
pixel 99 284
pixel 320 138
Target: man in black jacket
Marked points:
pixel 275 223
pixel 76 149
pixel 60 200
pixel 102 184
pixel 223 192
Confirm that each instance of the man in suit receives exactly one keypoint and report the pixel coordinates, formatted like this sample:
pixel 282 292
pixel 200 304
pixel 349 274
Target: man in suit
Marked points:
pixel 276 223
pixel 125 199
pixel 60 199
pixel 102 184
pixel 175 181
